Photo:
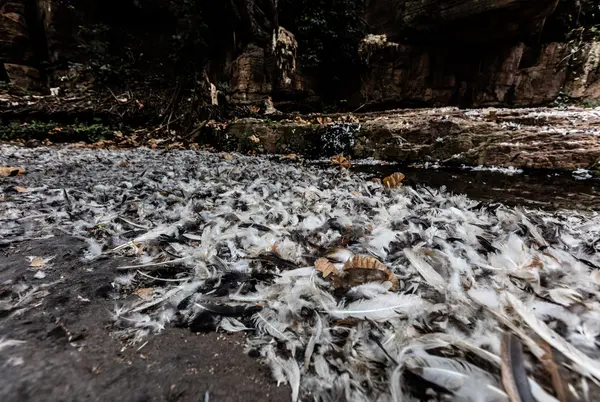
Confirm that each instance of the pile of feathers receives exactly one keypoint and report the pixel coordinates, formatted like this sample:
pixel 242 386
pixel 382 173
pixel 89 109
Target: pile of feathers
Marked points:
pixel 349 288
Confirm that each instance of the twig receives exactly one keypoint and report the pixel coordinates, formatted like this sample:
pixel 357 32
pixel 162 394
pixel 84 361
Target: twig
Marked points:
pixel 152 264
pixel 163 279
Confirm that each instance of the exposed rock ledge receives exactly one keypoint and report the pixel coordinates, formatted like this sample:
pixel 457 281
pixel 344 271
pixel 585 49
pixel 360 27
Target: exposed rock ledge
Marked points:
pixel 530 138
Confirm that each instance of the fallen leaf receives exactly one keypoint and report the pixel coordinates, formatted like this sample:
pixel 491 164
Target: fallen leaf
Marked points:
pixel 124 164
pixel 20 189
pixel 393 180
pixel 291 157
pixel 362 269
pixel 325 267
pixel 36 262
pixel 341 160
pixel 254 139
pixel 227 157
pixel 144 293
pixel 9 171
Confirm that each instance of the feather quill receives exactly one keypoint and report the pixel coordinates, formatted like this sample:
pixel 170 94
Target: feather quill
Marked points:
pixel 463 382
pixel 427 272
pixel 584 364
pixel 382 307
pixel 514 377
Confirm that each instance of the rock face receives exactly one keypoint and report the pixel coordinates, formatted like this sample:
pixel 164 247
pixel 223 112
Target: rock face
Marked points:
pixel 524 138
pixel 463 21
pixel 420 53
pixel 473 53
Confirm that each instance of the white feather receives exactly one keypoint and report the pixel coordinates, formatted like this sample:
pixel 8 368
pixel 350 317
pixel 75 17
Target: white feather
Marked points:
pixel 427 272
pixel 584 364
pixel 382 307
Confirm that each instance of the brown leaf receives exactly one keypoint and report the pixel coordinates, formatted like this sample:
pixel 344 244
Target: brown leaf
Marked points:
pixel 124 164
pixel 8 171
pixel 20 189
pixel 325 267
pixel 291 157
pixel 393 180
pixel 254 139
pixel 144 293
pixel 37 262
pixel 341 160
pixel 227 156
pixel 362 269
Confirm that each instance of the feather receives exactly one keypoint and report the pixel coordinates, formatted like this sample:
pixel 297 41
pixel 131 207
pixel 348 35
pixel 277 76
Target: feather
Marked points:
pixel 231 324
pixel 310 347
pixel 274 329
pixel 368 290
pixel 287 369
pixel 427 272
pixel 565 296
pixel 557 380
pixel 340 255
pixel 382 307
pixel 584 364
pixel 465 386
pixel 514 377
pixel 7 343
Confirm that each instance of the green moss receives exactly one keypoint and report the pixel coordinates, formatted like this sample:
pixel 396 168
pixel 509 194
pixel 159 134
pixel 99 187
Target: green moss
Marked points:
pixel 56 132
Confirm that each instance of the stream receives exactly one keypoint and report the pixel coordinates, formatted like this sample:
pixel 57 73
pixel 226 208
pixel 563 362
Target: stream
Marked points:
pixel 540 189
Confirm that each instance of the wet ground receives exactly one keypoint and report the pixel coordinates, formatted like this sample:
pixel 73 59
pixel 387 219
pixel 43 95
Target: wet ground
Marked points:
pixel 68 354
pixel 534 188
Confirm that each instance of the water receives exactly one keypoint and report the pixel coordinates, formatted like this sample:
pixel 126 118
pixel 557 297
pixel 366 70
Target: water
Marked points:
pixel 545 190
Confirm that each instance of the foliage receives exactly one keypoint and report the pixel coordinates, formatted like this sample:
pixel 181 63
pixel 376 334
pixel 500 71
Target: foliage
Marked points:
pixel 573 21
pixel 40 130
pixel 188 42
pixel 328 33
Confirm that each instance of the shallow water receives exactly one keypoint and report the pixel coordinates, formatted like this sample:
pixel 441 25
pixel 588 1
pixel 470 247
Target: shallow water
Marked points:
pixel 554 190
pixel 532 188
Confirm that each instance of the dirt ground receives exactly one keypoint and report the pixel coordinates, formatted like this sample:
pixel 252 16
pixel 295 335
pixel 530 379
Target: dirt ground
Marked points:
pixel 176 365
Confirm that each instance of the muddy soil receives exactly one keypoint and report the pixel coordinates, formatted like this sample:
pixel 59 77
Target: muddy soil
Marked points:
pixel 69 354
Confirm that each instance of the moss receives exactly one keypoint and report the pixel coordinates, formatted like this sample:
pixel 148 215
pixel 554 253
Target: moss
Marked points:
pixel 56 132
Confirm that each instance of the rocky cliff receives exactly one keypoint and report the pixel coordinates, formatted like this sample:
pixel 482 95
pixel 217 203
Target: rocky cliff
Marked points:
pixel 481 53
pixel 307 54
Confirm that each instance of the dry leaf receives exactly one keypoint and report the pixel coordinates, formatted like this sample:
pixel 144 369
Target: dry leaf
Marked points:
pixel 291 157
pixel 7 171
pixel 227 156
pixel 124 164
pixel 341 160
pixel 393 180
pixel 363 269
pixel 144 293
pixel 254 139
pixel 325 267
pixel 20 189
pixel 36 262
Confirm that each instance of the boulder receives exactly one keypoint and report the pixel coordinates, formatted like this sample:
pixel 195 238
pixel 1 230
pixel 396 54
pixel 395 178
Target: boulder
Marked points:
pixel 23 77
pixel 14 35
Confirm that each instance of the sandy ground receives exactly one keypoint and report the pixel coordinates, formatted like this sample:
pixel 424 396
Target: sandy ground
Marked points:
pixel 176 365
